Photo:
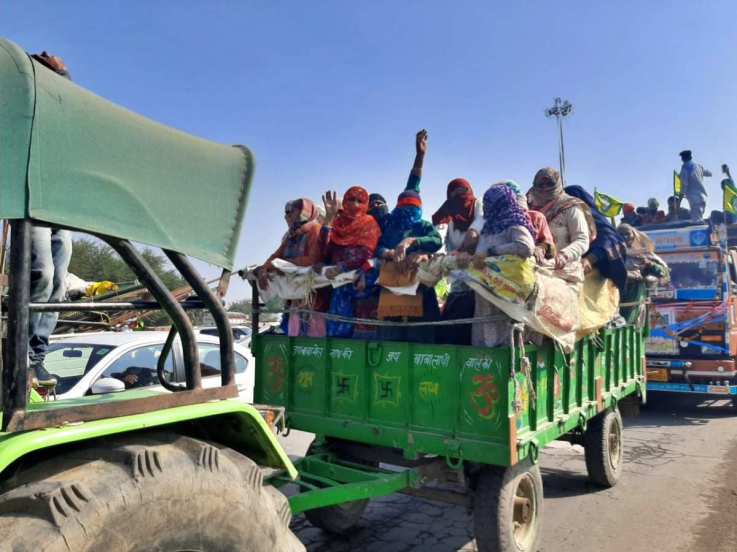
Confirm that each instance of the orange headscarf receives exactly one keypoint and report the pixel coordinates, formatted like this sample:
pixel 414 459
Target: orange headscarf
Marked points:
pixel 353 225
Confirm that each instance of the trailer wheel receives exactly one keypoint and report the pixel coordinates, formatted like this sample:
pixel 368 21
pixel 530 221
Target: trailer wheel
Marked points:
pixel 630 406
pixel 145 492
pixel 603 448
pixel 341 518
pixel 507 508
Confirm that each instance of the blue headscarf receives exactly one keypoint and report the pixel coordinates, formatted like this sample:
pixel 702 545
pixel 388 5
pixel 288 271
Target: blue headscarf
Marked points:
pixel 608 247
pixel 399 225
pixel 502 210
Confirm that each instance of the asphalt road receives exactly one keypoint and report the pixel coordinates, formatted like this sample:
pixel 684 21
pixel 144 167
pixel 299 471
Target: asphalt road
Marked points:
pixel 678 493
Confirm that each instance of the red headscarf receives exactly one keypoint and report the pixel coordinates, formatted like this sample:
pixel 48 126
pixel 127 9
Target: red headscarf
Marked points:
pixel 353 226
pixel 460 209
pixel 542 235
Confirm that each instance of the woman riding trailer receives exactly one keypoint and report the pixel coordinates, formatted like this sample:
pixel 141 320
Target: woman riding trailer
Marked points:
pixel 643 267
pixel 378 209
pixel 544 242
pixel 569 218
pixel 507 230
pixel 406 237
pixel 462 211
pixel 353 235
pixel 607 253
pixel 302 245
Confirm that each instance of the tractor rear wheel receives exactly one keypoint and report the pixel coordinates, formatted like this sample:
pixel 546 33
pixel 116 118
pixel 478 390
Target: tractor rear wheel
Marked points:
pixel 153 491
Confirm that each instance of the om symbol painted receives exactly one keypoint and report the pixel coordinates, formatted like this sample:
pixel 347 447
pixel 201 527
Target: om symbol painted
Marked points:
pixel 485 395
pixel 276 374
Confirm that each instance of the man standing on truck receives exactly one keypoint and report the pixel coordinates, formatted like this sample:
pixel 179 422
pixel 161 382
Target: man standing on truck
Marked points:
pixel 692 176
pixel 51 251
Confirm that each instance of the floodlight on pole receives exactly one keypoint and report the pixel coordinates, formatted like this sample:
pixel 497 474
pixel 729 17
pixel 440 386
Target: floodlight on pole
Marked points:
pixel 560 110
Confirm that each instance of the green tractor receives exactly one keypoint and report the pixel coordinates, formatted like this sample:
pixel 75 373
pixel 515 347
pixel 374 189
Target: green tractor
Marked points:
pixel 133 470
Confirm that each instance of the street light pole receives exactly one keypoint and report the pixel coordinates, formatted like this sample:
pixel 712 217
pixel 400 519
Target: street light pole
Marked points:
pixel 560 110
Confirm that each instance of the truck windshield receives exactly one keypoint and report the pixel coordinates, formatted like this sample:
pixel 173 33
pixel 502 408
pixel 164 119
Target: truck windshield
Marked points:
pixel 694 275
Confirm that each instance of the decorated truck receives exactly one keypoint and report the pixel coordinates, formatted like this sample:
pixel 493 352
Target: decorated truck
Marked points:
pixel 693 318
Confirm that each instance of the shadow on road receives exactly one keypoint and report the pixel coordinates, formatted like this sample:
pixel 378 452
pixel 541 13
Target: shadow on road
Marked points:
pixel 682 410
pixel 559 483
pixel 398 523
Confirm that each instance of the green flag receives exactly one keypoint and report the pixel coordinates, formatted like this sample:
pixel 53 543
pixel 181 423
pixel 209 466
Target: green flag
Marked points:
pixel 607 205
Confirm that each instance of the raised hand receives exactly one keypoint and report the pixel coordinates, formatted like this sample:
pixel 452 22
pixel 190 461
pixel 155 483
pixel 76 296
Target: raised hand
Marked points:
pixel 332 205
pixel 421 142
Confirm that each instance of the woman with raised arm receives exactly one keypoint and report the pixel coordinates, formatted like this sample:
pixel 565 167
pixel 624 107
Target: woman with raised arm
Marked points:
pixel 302 245
pixel 507 230
pixel 406 237
pixel 353 235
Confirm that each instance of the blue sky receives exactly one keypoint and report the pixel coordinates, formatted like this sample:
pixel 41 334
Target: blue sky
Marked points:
pixel 329 94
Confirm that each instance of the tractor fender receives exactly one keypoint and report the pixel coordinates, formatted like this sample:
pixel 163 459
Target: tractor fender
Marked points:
pixel 231 423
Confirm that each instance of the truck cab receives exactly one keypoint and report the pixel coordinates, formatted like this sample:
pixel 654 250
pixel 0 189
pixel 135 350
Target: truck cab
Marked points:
pixel 693 318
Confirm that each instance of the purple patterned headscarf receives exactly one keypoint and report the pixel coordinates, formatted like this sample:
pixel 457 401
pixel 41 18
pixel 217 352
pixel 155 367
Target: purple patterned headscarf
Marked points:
pixel 502 210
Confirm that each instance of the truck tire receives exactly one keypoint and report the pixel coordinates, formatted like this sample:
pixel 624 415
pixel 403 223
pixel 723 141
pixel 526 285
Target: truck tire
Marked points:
pixel 341 518
pixel 603 448
pixel 143 492
pixel 507 508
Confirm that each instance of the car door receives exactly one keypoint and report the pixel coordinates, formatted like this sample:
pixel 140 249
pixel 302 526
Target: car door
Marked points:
pixel 136 368
pixel 211 373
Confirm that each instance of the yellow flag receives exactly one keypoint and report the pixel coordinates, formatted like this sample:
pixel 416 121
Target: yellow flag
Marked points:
pixel 677 185
pixel 730 196
pixel 607 205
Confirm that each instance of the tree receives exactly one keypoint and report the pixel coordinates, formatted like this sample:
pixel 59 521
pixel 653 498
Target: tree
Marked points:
pixel 95 261
pixel 244 306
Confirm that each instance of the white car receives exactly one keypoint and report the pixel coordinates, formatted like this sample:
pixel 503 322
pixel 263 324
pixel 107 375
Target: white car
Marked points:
pixel 241 334
pixel 79 361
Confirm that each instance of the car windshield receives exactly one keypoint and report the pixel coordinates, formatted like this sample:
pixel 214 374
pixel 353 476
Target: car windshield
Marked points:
pixel 69 362
pixel 694 274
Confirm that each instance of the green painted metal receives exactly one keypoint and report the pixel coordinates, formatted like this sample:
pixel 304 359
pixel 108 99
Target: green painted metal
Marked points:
pixel 330 481
pixel 230 422
pixel 74 159
pixel 461 403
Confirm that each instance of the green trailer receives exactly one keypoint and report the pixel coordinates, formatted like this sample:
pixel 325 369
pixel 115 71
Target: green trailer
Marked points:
pixel 480 416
